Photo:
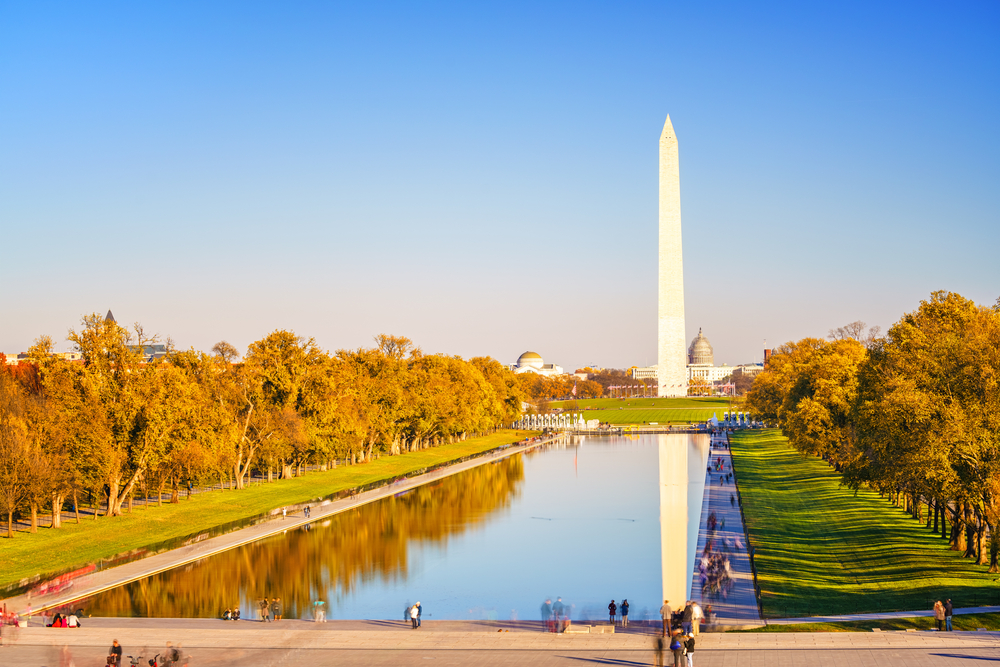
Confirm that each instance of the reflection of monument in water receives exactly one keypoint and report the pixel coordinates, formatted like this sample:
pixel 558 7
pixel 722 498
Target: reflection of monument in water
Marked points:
pixel 683 459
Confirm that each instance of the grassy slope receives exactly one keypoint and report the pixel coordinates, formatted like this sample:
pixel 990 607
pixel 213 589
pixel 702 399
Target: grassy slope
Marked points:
pixel 75 545
pixel 644 410
pixel 821 549
pixel 960 622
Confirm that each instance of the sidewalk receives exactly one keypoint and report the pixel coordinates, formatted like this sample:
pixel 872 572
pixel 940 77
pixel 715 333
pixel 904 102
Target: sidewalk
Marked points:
pixel 876 617
pixel 738 606
pixel 103 580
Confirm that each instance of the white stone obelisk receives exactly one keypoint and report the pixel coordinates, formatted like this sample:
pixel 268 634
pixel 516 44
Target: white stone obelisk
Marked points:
pixel 671 347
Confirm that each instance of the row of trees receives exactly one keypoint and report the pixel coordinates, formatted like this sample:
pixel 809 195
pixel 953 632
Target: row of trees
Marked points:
pixel 914 414
pixel 114 426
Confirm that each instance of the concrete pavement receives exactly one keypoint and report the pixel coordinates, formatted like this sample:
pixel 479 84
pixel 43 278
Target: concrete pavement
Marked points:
pixel 738 606
pixel 213 642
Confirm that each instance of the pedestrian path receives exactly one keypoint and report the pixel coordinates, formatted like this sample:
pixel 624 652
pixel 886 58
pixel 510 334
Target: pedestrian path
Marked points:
pixel 878 616
pixel 738 605
pixel 103 580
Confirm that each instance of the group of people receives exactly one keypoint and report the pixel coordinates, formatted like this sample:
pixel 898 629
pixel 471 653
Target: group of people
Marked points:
pixel 680 645
pixel 231 614
pixel 170 657
pixel 270 610
pixel 555 615
pixel 70 620
pixel 943 614
pixel 714 569
pixel 614 609
pixel 413 613
pixel 688 619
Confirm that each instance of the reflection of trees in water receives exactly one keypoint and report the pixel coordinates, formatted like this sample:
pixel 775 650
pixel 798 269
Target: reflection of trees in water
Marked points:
pixel 329 559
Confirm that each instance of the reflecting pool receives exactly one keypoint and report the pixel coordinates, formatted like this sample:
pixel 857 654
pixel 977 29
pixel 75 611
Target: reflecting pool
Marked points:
pixel 586 519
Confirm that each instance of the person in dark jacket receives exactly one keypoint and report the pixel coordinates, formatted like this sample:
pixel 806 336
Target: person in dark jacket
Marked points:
pixel 612 612
pixel 624 610
pixel 948 611
pixel 115 654
pixel 689 650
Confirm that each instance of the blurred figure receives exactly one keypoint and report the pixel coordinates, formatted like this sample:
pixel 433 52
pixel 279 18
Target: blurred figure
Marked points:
pixel 624 610
pixel 319 611
pixel 413 617
pixel 658 651
pixel 612 612
pixel 547 615
pixel 665 614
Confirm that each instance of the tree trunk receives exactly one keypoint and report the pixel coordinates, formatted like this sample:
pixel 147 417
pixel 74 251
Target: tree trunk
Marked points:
pixel 57 501
pixel 981 540
pixel 994 549
pixel 175 492
pixel 76 506
pixel 937 505
pixel 34 516
pixel 130 503
pixel 957 528
pixel 159 492
pixel 944 520
pixel 970 532
pixel 10 524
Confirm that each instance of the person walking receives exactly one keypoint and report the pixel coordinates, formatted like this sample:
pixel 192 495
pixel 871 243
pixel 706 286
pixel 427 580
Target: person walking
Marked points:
pixel 689 650
pixel 413 617
pixel 732 500
pixel 687 616
pixel 939 615
pixel 625 613
pixel 676 647
pixel 948 611
pixel 612 612
pixel 420 612
pixel 665 614
pixel 658 650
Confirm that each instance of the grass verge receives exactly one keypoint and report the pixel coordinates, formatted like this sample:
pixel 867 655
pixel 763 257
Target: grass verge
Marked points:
pixel 961 622
pixel 74 545
pixel 821 549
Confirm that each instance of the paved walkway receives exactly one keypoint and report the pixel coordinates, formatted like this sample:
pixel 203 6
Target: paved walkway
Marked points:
pixel 97 582
pixel 212 642
pixel 739 605
pixel 878 616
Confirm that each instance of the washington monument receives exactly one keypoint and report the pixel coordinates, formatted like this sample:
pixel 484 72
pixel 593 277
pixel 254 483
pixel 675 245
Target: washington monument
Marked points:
pixel 671 357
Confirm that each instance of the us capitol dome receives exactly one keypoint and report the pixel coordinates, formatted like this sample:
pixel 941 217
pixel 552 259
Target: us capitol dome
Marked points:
pixel 700 353
pixel 532 362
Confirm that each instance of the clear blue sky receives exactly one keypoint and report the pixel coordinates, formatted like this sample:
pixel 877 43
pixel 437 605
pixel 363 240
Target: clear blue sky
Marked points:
pixel 482 177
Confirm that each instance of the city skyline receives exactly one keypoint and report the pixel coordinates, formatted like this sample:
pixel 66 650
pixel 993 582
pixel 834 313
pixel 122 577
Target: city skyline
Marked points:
pixel 482 180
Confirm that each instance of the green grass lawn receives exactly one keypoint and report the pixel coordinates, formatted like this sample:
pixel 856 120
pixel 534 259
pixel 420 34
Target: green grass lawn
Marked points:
pixel 719 404
pixel 75 545
pixel 960 622
pixel 644 416
pixel 823 550
pixel 645 410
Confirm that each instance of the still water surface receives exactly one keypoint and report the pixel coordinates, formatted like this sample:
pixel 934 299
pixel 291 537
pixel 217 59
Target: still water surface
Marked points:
pixel 589 520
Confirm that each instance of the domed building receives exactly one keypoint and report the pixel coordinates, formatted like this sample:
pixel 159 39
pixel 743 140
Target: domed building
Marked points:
pixel 701 361
pixel 532 362
pixel 700 353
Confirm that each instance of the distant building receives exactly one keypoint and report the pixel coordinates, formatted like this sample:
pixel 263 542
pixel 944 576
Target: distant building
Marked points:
pixel 643 373
pixel 532 362
pixel 701 365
